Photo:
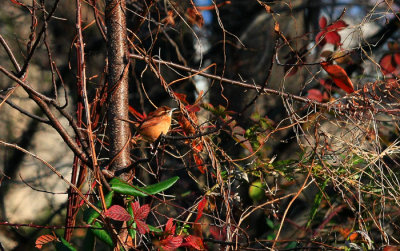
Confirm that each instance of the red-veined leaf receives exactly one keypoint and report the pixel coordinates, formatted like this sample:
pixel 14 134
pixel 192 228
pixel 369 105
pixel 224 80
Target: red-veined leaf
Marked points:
pixel 170 227
pixel 140 212
pixel 44 239
pixel 118 213
pixel 194 242
pixel 339 76
pixel 171 242
pixel 142 227
pixel 200 208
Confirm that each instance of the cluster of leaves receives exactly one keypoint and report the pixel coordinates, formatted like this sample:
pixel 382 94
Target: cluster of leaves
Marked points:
pixel 329 34
pixel 135 216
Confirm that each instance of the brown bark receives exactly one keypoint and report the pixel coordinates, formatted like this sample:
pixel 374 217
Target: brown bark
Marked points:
pixel 118 130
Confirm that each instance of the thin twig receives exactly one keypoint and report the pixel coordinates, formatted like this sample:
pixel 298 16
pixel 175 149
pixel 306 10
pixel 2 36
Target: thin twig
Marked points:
pixel 10 54
pixel 23 111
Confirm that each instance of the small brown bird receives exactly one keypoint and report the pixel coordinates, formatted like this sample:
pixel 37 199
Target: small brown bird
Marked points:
pixel 156 123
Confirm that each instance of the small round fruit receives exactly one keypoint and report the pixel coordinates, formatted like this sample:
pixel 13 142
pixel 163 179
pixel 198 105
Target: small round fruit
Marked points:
pixel 256 191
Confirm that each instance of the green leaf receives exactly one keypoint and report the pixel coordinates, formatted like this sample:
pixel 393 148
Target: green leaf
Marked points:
pixel 131 223
pixel 161 186
pixel 90 214
pixel 64 245
pixel 88 242
pixel 291 245
pixel 154 229
pixel 358 160
pixel 123 187
pixel 317 202
pixel 270 223
pixel 102 234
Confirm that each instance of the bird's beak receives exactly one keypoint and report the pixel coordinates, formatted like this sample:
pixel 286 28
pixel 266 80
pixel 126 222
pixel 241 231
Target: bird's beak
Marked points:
pixel 172 110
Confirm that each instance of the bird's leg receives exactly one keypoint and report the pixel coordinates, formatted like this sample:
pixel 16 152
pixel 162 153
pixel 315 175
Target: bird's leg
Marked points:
pixel 154 146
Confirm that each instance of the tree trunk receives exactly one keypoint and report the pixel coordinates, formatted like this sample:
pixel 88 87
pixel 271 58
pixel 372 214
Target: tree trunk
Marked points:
pixel 118 131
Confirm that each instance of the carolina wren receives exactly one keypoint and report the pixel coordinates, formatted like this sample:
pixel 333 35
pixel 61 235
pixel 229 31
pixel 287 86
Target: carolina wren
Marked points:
pixel 156 123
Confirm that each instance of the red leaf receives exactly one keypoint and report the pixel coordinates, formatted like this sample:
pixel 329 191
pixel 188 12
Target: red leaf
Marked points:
pixel 199 163
pixel 194 242
pixel 292 70
pixel 328 84
pixel 387 64
pixel 218 233
pixel 44 239
pixel 118 213
pixel 197 146
pixel 322 22
pixel 182 97
pixel 140 212
pixel 339 76
pixel 195 17
pixel 170 227
pixel 330 33
pixel 397 58
pixel 391 248
pixel 16 2
pixel 142 227
pixel 185 124
pixel 171 242
pixel 333 37
pixel 200 208
pixel 137 114
pixel 321 42
pixel 193 108
pixel 338 25
pixel 393 46
pixel 315 94
pixel 390 63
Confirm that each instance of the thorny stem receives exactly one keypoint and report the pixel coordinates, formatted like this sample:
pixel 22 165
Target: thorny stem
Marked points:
pixel 342 108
